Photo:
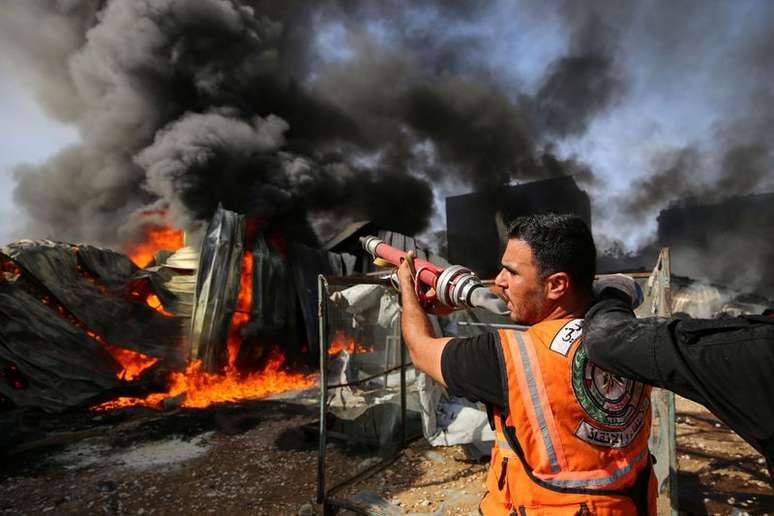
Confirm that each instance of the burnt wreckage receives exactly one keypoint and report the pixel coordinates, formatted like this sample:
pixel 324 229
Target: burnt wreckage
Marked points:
pixel 80 325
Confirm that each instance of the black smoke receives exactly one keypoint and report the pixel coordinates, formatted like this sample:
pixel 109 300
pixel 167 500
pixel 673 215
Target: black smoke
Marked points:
pixel 729 47
pixel 182 105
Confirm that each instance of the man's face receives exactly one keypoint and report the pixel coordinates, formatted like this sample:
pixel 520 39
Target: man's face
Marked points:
pixel 521 283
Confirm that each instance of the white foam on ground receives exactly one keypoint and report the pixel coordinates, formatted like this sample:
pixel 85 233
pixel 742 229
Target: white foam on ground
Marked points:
pixel 82 455
pixel 162 453
pixel 96 452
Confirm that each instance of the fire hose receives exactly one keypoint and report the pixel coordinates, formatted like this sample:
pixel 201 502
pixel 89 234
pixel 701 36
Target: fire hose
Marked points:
pixel 455 287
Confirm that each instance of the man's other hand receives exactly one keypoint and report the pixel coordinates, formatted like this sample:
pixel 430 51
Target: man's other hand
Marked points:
pixel 406 273
pixel 622 285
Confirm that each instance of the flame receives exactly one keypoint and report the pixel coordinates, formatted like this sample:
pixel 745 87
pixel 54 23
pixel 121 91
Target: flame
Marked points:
pixel 155 238
pixel 154 302
pixel 344 342
pixel 242 311
pixel 202 389
pixel 133 363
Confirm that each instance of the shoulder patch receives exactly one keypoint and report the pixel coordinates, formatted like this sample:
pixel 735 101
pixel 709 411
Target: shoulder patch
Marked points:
pixel 616 407
pixel 566 336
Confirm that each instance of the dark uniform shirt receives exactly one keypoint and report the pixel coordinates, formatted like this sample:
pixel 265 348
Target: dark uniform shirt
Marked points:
pixel 727 365
pixel 471 369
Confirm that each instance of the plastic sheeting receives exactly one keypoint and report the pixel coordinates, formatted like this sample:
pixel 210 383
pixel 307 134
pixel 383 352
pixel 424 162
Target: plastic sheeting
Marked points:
pixel 109 313
pixel 446 420
pixel 361 406
pixel 50 362
pixel 59 366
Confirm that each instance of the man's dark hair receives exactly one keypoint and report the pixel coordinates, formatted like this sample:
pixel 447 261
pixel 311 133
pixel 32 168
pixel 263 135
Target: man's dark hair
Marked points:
pixel 559 243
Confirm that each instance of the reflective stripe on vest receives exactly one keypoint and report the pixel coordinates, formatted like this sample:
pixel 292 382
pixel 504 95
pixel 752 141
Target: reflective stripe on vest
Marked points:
pixel 598 482
pixel 535 402
pixel 532 379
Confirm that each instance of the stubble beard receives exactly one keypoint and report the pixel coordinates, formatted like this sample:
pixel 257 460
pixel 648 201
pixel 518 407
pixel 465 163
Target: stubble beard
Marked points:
pixel 530 309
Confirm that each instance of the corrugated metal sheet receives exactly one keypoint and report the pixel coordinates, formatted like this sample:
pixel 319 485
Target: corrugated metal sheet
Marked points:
pixel 217 288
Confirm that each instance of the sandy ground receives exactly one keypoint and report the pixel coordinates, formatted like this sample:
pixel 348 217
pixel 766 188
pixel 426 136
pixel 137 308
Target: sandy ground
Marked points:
pixel 260 457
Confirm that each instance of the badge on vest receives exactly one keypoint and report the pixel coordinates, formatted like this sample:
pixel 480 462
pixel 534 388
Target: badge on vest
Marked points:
pixel 566 336
pixel 616 406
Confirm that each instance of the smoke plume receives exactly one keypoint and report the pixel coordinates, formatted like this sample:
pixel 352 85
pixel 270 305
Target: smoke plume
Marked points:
pixel 182 105
pixel 342 110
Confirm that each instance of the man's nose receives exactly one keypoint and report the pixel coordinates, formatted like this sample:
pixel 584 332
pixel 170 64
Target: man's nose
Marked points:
pixel 500 280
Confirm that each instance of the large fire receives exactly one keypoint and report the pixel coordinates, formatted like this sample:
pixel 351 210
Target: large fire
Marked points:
pixel 201 389
pixel 196 387
pixel 155 238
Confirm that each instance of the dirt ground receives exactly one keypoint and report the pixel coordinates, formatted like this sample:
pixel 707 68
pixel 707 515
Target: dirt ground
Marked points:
pixel 260 457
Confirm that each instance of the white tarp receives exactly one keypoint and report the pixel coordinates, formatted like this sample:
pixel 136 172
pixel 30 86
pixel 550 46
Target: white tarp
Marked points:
pixel 446 420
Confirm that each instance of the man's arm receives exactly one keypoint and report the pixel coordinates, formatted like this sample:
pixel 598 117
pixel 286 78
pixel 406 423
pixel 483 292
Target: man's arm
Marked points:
pixel 617 341
pixel 724 364
pixel 424 348
pixel 685 356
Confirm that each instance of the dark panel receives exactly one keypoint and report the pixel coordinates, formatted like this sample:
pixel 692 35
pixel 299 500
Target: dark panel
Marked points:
pixel 59 366
pixel 471 219
pixel 729 243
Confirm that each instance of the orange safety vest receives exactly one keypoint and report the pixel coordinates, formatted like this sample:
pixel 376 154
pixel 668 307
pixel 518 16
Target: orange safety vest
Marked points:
pixel 572 438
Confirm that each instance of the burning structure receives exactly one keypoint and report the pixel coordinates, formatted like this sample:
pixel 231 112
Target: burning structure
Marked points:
pixel 87 327
pixel 61 344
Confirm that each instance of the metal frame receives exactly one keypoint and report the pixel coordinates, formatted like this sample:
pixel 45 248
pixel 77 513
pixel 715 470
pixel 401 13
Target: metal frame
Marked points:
pixel 324 495
pixel 663 444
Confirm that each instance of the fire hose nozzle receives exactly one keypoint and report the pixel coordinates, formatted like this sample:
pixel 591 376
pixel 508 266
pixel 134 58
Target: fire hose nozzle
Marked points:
pixel 370 243
pixel 456 287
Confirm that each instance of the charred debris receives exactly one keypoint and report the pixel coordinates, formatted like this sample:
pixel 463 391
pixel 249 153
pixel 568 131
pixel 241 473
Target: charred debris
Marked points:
pixel 81 325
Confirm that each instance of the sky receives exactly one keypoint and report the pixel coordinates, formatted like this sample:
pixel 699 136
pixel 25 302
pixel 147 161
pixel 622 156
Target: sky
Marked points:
pixel 693 82
pixel 27 135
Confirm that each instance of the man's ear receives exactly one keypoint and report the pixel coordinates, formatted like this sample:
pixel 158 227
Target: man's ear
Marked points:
pixel 557 284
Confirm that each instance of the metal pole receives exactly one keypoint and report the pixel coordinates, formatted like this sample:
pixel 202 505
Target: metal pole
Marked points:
pixel 322 289
pixel 402 389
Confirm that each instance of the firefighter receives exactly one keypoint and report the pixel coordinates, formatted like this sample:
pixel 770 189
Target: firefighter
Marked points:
pixel 570 437
pixel 724 364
